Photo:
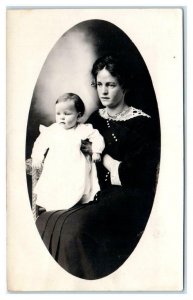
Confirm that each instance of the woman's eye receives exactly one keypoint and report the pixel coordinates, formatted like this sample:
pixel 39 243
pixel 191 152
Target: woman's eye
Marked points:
pixel 112 84
pixel 99 84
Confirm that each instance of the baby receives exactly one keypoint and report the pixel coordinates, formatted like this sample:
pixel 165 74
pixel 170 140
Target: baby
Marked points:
pixel 68 176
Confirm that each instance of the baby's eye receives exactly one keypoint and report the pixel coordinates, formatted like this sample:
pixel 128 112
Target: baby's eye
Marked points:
pixel 58 113
pixel 99 83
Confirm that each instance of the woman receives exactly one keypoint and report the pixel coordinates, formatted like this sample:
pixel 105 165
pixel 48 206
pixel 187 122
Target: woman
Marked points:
pixel 92 240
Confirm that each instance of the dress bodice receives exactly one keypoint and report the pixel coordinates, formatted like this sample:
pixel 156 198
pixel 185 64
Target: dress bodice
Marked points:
pixel 130 140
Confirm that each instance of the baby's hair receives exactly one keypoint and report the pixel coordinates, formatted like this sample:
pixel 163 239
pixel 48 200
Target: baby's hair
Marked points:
pixel 78 103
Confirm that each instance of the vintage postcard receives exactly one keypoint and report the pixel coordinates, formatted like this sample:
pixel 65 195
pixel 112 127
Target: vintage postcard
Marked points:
pixel 95 150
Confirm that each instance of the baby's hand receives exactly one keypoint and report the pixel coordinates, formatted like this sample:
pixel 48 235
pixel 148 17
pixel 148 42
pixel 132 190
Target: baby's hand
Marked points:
pixel 96 157
pixel 37 163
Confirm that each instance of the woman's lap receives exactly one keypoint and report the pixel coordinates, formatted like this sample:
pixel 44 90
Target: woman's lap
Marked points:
pixel 92 240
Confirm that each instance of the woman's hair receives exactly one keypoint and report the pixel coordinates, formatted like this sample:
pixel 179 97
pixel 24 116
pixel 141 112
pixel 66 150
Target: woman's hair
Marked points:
pixel 78 103
pixel 116 67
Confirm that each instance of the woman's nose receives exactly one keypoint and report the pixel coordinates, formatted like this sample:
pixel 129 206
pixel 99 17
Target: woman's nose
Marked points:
pixel 104 90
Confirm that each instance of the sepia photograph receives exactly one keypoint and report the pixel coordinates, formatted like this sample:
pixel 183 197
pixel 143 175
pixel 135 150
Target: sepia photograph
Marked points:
pixel 95 159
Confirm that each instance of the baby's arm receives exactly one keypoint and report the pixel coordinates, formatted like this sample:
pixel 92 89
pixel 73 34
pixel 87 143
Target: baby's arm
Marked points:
pixel 40 146
pixel 97 141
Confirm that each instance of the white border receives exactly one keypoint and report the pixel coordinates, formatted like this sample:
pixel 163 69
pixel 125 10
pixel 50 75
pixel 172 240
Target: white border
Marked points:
pixel 188 110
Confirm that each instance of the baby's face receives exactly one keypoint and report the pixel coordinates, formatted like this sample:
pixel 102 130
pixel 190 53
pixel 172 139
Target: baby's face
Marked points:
pixel 66 114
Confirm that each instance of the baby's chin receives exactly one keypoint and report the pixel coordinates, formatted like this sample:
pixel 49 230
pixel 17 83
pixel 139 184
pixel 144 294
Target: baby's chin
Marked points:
pixel 62 124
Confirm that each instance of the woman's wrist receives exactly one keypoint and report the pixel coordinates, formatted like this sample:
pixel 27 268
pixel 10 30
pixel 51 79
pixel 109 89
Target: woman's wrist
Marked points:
pixel 114 173
pixel 107 162
pixel 112 165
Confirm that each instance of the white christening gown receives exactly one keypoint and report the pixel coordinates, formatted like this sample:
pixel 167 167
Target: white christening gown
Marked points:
pixel 68 176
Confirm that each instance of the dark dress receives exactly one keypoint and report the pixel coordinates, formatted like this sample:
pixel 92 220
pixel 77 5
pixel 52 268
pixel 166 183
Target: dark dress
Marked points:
pixel 92 240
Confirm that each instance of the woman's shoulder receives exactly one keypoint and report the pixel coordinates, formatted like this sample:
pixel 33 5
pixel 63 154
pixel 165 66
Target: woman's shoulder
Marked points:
pixel 94 117
pixel 142 125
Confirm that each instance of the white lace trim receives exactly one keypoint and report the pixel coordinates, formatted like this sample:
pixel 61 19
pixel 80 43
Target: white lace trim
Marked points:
pixel 126 114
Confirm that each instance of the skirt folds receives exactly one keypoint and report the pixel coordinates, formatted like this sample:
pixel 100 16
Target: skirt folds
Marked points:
pixel 92 240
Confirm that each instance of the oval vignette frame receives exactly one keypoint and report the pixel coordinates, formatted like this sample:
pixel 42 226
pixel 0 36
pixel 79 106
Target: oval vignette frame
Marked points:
pixel 67 69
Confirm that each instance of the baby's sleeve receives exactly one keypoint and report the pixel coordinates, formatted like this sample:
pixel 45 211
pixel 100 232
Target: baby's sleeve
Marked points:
pixel 41 144
pixel 97 140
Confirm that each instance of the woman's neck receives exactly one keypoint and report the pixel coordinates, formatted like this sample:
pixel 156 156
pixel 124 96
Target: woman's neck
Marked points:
pixel 113 111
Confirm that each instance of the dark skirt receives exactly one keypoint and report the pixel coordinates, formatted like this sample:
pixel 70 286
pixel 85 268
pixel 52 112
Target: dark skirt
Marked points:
pixel 92 240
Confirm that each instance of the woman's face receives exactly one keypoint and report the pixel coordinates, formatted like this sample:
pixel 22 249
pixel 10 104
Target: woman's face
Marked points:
pixel 109 90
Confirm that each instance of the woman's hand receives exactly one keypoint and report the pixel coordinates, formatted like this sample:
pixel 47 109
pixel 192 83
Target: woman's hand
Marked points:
pixel 108 162
pixel 112 165
pixel 86 147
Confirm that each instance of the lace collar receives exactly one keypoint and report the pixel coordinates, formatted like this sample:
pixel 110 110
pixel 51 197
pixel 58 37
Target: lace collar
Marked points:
pixel 126 114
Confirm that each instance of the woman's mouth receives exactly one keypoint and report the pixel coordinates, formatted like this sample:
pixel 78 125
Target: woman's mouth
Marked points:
pixel 105 98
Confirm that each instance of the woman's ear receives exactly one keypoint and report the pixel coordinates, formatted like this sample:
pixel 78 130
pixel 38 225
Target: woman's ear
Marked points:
pixel 79 115
pixel 125 91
